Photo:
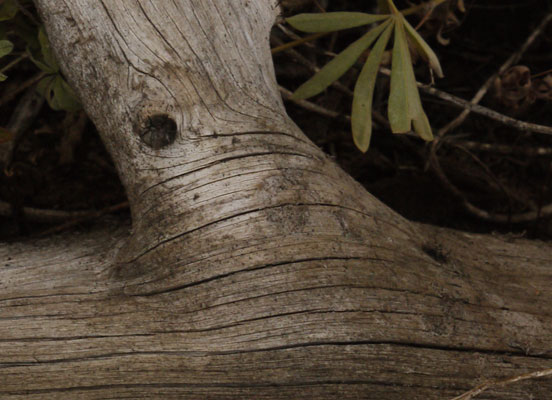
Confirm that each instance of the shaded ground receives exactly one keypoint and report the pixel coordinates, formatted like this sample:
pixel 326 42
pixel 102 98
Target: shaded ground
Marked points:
pixel 508 180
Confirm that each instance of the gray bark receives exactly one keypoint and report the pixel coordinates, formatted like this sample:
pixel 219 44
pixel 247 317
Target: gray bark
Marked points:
pixel 255 267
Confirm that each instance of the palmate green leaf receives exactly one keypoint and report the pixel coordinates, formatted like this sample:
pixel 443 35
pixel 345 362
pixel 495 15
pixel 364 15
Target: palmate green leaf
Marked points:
pixel 6 47
pixel 405 108
pixel 423 49
pixel 339 65
pixel 361 116
pixel 332 21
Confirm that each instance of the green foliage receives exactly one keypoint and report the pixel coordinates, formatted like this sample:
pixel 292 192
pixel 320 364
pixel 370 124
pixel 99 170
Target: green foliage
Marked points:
pixel 6 48
pixel 329 22
pixel 53 86
pixel 405 108
pixel 423 49
pixel 361 116
pixel 405 111
pixel 338 66
pixel 8 9
pixel 58 93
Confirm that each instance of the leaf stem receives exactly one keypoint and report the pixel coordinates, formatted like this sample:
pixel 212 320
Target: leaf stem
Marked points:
pixel 413 9
pixel 13 63
pixel 392 7
pixel 298 42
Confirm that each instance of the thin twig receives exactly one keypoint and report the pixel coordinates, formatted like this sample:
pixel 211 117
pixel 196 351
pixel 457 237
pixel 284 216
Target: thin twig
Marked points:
pixel 42 215
pixel 487 112
pixel 483 90
pixel 14 62
pixel 476 108
pixel 28 14
pixel 307 105
pixel 472 106
pixel 494 182
pixel 84 218
pixel 289 33
pixel 23 116
pixel 297 42
pixel 317 4
pixel 503 148
pixel 529 216
pixel 425 18
pixel 481 388
pixel 7 97
pixel 413 9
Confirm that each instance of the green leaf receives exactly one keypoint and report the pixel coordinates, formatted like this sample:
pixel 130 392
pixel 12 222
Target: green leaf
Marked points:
pixel 397 111
pixel 422 126
pixel 3 77
pixel 361 116
pixel 339 65
pixel 424 50
pixel 44 87
pixel 8 9
pixel 6 47
pixel 42 55
pixel 58 93
pixel 405 107
pixel 36 57
pixel 332 21
pixel 392 8
pixel 46 50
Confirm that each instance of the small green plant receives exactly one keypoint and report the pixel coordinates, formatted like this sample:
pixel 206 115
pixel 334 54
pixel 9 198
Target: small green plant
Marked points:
pixel 405 110
pixel 6 48
pixel 53 87
pixel 8 9
pixel 36 47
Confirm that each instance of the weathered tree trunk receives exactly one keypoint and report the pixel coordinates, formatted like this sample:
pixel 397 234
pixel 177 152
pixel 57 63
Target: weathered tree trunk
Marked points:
pixel 255 267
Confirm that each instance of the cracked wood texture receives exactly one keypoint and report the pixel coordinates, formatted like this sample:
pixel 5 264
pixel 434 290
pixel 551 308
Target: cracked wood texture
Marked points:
pixel 254 267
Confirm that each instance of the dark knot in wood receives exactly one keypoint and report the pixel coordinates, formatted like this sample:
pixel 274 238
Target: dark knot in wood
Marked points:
pixel 158 131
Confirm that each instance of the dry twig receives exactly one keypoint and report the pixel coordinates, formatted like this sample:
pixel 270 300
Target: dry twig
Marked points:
pixel 483 90
pixel 489 385
pixel 473 106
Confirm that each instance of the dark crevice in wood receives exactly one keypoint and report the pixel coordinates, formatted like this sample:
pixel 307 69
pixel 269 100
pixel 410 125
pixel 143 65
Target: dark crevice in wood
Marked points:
pixel 238 385
pixel 237 215
pixel 262 133
pixel 218 162
pixel 394 344
pixel 256 268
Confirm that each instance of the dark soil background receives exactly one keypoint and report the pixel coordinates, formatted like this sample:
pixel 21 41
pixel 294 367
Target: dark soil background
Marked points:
pixel 495 167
